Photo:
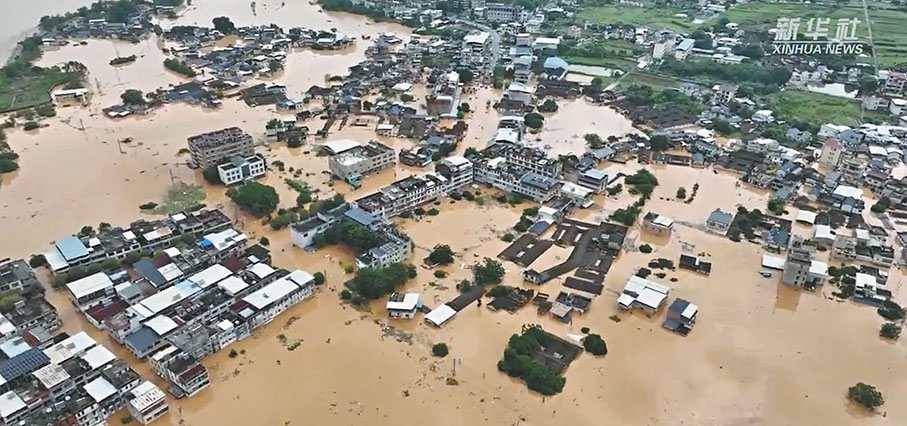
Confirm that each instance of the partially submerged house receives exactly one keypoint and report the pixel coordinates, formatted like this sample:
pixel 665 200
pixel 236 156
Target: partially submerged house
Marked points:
pixel 681 316
pixel 643 294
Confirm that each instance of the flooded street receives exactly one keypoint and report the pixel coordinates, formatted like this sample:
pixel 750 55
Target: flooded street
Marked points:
pixel 761 353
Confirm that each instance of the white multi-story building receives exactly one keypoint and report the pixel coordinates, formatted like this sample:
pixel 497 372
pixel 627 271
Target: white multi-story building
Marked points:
pixel 457 170
pixel 403 195
pixel 500 12
pixel 352 164
pixel 275 298
pixel 403 305
pixel 831 152
pixel 533 160
pixel 209 149
pixel 146 403
pixel 239 169
pixel 397 248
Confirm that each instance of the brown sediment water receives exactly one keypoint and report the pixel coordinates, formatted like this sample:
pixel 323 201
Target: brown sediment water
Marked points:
pixel 761 353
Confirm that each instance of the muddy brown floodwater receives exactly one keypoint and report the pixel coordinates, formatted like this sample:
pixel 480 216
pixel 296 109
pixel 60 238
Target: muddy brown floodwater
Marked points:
pixel 760 354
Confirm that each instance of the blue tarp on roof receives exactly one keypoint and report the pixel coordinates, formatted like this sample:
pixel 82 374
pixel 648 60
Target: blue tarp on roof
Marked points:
pixel 71 248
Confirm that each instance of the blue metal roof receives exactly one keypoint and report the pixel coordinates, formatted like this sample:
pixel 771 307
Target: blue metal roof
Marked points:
pixel 71 248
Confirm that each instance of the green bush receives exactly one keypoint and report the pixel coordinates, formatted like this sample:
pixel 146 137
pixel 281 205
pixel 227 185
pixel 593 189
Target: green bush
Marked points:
pixel 645 248
pixel 433 212
pixel 319 278
pixel 865 395
pixel 255 198
pixel 595 345
pixel 30 125
pixel 151 205
pixel 440 350
pixel 890 330
pixel 499 291
pixel 508 237
pixel 489 271
pixel 643 272
pixel 37 260
pixel 440 274
pixel 346 294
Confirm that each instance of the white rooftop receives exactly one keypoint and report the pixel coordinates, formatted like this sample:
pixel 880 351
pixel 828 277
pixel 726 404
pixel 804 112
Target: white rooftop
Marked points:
pixel 479 38
pixel 90 284
pixel 6 327
pixel 14 346
pixel 145 395
pixel 664 221
pixel 806 216
pixel 646 292
pixel 224 239
pixel 271 293
pixel 170 271
pixel 99 389
pixel 817 267
pixel 772 262
pixel 824 232
pixel 340 146
pixel 849 191
pixel 161 324
pixel 70 347
pixel 410 301
pixel 301 277
pixel 51 375
pixel 261 270
pixel 440 315
pixel 10 404
pixel 690 311
pixel 233 285
pixel 210 275
pixel 576 190
pixel 162 300
pixel 98 357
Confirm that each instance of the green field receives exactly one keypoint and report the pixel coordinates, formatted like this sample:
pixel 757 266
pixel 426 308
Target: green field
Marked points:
pixel 817 109
pixel 660 16
pixel 656 81
pixel 29 91
pixel 889 23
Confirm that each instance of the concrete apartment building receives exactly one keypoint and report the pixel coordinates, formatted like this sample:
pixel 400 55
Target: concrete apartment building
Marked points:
pixel 16 275
pixel 457 170
pixel 146 403
pixel 800 270
pixel 209 149
pixel 239 169
pixel 403 195
pixel 352 164
pixel 533 160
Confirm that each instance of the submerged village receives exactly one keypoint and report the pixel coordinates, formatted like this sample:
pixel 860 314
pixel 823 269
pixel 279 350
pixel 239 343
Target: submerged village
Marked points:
pixel 469 212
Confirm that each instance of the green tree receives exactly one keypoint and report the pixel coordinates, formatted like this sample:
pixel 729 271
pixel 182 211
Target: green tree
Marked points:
pixel 534 120
pixel 594 141
pixel 882 205
pixel 440 350
pixel 489 271
pixel 441 254
pixel 776 206
pixel 865 395
pixel 548 106
pixel 37 260
pixel 659 143
pixel 595 345
pixel 223 24
pixel 681 193
pixel 255 198
pixel 890 330
pixel 319 278
pixel 645 248
pixel 133 97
